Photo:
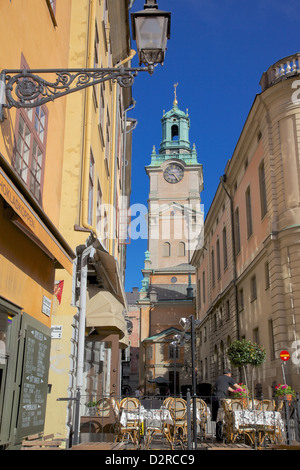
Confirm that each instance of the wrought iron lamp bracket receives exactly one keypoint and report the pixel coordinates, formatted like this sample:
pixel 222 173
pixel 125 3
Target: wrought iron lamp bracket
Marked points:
pixel 25 89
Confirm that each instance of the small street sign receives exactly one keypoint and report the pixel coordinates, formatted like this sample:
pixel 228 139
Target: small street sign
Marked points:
pixel 284 355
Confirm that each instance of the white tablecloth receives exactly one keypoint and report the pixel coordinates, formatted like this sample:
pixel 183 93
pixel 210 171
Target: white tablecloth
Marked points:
pixel 152 417
pixel 257 418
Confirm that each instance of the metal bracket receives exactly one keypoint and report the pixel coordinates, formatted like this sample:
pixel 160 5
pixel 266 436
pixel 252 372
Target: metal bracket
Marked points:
pixel 23 88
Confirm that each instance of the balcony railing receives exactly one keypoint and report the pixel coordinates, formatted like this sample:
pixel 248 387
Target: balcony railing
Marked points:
pixel 281 70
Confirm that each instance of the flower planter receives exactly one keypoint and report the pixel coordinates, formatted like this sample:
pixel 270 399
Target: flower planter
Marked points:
pixel 288 396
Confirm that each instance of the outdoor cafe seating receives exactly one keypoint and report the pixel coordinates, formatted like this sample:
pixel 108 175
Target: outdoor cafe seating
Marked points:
pixel 138 425
pixel 135 422
pixel 254 421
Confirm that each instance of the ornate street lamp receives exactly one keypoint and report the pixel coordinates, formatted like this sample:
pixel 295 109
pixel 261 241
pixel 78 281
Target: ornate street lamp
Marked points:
pixel 151 29
pixel 25 88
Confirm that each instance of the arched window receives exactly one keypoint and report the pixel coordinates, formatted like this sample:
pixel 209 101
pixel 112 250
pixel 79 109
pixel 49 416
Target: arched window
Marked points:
pixel 175 133
pixel 166 249
pixel 181 249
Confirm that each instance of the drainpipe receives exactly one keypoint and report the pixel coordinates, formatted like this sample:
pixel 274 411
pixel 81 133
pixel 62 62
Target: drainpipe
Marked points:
pixel 223 180
pixel 88 122
pixel 84 255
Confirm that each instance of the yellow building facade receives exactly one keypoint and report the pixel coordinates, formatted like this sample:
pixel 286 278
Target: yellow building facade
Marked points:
pixel 31 247
pixel 95 189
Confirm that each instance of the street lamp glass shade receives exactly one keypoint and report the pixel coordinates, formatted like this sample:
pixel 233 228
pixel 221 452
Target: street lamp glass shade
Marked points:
pixel 184 322
pixel 151 30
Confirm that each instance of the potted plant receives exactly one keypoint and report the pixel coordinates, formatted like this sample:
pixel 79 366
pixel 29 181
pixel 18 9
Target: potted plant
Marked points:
pixel 92 406
pixel 243 353
pixel 242 393
pixel 282 390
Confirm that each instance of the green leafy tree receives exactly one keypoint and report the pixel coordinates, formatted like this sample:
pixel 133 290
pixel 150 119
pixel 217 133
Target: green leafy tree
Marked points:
pixel 243 353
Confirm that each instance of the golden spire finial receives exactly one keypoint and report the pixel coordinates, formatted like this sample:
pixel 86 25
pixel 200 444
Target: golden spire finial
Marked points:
pixel 175 102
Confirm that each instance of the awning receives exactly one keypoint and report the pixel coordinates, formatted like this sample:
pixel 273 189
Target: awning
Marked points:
pixel 108 267
pixel 105 312
pixel 124 342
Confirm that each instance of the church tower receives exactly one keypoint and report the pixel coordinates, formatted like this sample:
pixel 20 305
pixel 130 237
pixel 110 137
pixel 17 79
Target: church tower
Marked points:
pixel 176 181
pixel 175 223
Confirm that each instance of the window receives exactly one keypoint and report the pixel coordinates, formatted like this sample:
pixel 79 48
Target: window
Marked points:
pixel 262 189
pixel 225 259
pixel 218 260
pixel 174 131
pixel 29 154
pixel 51 4
pixel 199 293
pixel 107 144
pixel 253 288
pixel 213 280
pixel 101 113
pixel 267 275
pixel 227 309
pixel 256 335
pixel 248 212
pixel 150 352
pixel 181 249
pixel 166 249
pixel 241 299
pixel 203 286
pixel 271 340
pixel 237 231
pixel 99 215
pixel 173 350
pixel 91 190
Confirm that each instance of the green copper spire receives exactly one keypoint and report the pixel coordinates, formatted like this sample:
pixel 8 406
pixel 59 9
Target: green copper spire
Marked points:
pixel 175 137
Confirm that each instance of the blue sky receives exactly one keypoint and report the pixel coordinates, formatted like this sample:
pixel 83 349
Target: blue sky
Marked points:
pixel 217 53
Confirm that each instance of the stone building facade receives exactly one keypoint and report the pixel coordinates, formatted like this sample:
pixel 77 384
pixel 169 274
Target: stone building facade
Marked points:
pixel 248 269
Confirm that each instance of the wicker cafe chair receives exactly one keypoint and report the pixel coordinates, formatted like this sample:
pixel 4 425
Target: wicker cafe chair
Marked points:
pixel 154 428
pixel 168 401
pixel 273 431
pixel 116 411
pixel 203 413
pixel 236 404
pixel 253 404
pixel 266 405
pixel 178 413
pixel 103 407
pixel 129 422
pixel 129 403
pixel 232 430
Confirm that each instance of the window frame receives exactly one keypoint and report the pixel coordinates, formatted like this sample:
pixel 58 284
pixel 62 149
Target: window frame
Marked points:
pixel 51 4
pixel 248 212
pixel 262 189
pixel 28 116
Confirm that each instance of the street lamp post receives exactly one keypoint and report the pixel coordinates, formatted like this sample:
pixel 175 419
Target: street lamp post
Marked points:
pixel 175 345
pixel 29 88
pixel 189 323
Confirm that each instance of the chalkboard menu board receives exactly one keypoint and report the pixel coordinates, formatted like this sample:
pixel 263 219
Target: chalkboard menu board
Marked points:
pixel 34 384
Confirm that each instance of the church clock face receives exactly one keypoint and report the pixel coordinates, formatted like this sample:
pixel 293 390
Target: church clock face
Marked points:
pixel 173 173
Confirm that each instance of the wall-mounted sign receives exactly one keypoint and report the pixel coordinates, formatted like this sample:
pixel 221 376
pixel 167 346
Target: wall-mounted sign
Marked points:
pixel 56 331
pixel 284 355
pixel 34 382
pixel 46 306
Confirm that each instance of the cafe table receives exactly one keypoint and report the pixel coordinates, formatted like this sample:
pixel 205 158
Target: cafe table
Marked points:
pixel 151 422
pixel 256 424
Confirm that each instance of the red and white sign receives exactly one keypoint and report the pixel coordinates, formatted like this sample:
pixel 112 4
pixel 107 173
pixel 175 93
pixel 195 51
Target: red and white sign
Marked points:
pixel 284 355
